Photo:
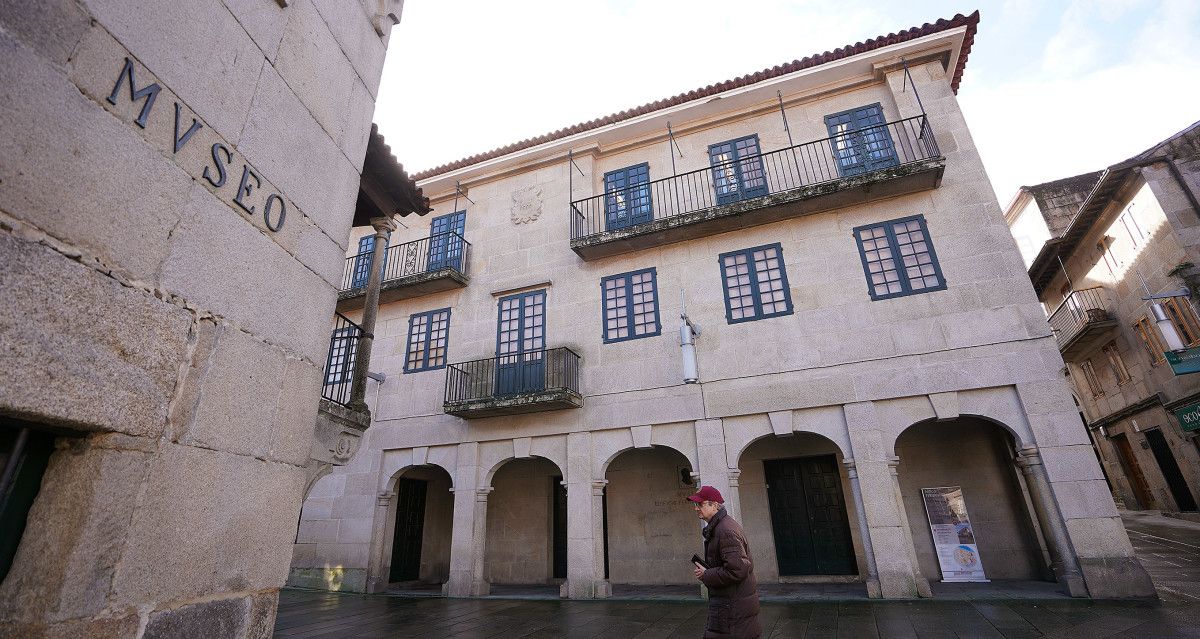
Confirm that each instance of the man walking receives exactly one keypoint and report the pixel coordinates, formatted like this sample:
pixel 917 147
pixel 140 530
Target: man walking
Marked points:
pixel 729 576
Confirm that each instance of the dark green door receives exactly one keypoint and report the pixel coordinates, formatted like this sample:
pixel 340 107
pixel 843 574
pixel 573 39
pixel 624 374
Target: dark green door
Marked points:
pixel 560 527
pixel 410 523
pixel 808 516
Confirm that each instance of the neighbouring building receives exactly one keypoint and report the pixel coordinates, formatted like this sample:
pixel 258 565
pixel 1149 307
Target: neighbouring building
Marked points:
pixel 1100 247
pixel 866 330
pixel 178 183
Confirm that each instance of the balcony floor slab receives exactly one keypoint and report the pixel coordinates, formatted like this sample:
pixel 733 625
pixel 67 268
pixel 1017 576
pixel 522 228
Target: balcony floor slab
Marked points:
pixel 406 287
pixel 552 399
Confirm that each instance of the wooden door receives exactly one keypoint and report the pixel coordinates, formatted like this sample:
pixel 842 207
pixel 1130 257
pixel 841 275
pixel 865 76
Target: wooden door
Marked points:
pixel 808 516
pixel 1133 472
pixel 410 525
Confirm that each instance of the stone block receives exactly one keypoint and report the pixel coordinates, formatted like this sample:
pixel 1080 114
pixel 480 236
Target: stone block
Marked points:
pixel 264 21
pixel 1116 578
pixel 108 627
pixel 194 502
pixel 314 68
pixel 259 284
pixel 65 362
pixel 1084 499
pixel 248 397
pixel 75 534
pixel 122 217
pixel 323 531
pixel 281 132
pixel 197 48
pixel 49 27
pixel 1099 537
pixel 220 618
pixel 351 27
pixel 1070 463
pixel 355 531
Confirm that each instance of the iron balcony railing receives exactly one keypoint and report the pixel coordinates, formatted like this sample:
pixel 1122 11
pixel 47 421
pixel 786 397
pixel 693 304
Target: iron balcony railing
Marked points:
pixel 1076 312
pixel 339 365
pixel 845 155
pixel 447 250
pixel 510 375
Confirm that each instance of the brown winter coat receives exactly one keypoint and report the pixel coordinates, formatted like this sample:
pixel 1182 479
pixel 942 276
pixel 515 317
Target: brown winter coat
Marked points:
pixel 732 589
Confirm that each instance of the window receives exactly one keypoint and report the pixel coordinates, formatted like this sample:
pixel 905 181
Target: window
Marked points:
pixel 1104 246
pixel 1136 236
pixel 1089 373
pixel 362 262
pixel 755 284
pixel 898 258
pixel 427 336
pixel 446 241
pixel 627 197
pixel 343 344
pixel 1115 363
pixel 1180 312
pixel 860 140
pixel 630 306
pixel 737 169
pixel 1151 340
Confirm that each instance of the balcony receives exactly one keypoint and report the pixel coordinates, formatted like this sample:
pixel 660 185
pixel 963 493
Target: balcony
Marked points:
pixel 428 265
pixel 339 427
pixel 1082 322
pixel 860 166
pixel 529 382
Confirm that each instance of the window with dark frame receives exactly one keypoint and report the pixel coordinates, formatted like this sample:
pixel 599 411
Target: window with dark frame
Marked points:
pixel 898 258
pixel 737 168
pixel 342 349
pixel 860 140
pixel 630 305
pixel 627 198
pixel 428 334
pixel 755 283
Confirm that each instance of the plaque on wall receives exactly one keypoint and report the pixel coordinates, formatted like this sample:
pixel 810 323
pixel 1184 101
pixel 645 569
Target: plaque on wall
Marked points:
pixel 953 536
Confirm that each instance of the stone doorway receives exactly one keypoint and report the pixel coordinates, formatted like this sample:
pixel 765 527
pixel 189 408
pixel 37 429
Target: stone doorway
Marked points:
pixel 417 536
pixel 519 546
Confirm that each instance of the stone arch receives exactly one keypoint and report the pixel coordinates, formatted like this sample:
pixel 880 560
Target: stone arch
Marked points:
pixel 396 462
pixel 828 422
pixel 522 533
pixel 784 480
pixel 431 549
pixel 608 445
pixel 495 454
pixel 977 454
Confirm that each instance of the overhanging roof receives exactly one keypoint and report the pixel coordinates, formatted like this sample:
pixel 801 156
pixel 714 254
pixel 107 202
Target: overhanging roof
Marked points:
pixel 385 189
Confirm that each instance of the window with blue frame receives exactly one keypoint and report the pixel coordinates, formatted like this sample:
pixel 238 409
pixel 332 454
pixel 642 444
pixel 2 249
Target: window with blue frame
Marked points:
pixel 446 241
pixel 860 140
pixel 756 284
pixel 898 258
pixel 627 197
pixel 428 334
pixel 362 261
pixel 737 169
pixel 630 305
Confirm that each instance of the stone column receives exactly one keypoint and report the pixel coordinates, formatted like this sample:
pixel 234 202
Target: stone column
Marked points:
pixel 733 498
pixel 377 578
pixel 466 556
pixel 883 508
pixel 585 523
pixel 713 467
pixel 1062 555
pixel 362 357
pixel 864 532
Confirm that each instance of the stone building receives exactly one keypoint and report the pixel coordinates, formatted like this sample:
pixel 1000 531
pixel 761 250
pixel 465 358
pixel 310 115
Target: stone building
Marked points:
pixel 1100 247
pixel 178 182
pixel 536 425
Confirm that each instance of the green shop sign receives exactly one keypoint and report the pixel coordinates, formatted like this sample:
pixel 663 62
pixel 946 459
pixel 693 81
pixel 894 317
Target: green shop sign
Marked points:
pixel 1184 361
pixel 1189 416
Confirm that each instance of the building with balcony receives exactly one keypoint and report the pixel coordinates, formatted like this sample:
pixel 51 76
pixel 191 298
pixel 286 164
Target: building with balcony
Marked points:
pixel 865 330
pixel 1099 248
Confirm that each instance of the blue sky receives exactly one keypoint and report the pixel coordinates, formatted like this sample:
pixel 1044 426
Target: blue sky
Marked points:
pixel 1051 89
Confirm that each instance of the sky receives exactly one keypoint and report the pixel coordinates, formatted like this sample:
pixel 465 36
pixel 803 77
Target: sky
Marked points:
pixel 1051 89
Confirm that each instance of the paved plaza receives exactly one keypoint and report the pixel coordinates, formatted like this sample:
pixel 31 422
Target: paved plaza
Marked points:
pixel 1170 550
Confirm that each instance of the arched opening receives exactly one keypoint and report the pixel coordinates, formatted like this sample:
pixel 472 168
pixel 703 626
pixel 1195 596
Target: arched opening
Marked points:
pixel 799 514
pixel 976 456
pixel 416 542
pixel 526 528
pixel 651 530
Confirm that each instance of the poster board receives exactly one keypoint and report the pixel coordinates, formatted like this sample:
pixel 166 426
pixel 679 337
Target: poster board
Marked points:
pixel 953 536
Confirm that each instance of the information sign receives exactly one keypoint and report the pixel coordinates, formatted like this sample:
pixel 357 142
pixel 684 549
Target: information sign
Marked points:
pixel 953 537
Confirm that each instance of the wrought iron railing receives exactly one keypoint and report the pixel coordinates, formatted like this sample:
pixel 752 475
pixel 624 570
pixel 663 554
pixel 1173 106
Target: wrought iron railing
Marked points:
pixel 339 363
pixel 447 250
pixel 1075 312
pixel 858 152
pixel 511 375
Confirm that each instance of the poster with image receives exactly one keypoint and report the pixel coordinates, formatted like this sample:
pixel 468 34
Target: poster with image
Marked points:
pixel 953 537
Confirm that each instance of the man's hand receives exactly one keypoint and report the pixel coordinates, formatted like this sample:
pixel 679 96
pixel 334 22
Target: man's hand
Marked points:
pixel 699 572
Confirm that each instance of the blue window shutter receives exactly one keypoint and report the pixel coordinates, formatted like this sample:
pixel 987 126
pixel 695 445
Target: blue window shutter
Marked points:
pixel 630 306
pixel 521 343
pixel 446 241
pixel 860 140
pixel 755 283
pixel 898 258
pixel 362 262
pixel 737 169
pixel 627 199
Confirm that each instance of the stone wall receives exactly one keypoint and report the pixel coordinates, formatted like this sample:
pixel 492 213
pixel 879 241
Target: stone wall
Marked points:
pixel 519 527
pixel 652 530
pixel 158 233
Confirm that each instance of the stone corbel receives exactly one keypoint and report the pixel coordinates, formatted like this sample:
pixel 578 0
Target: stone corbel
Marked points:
pixel 387 15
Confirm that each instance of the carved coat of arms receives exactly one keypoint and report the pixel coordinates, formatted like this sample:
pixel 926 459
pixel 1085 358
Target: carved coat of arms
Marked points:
pixel 526 205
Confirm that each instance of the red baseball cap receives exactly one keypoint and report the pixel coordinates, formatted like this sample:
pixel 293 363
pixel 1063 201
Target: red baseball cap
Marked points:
pixel 707 493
